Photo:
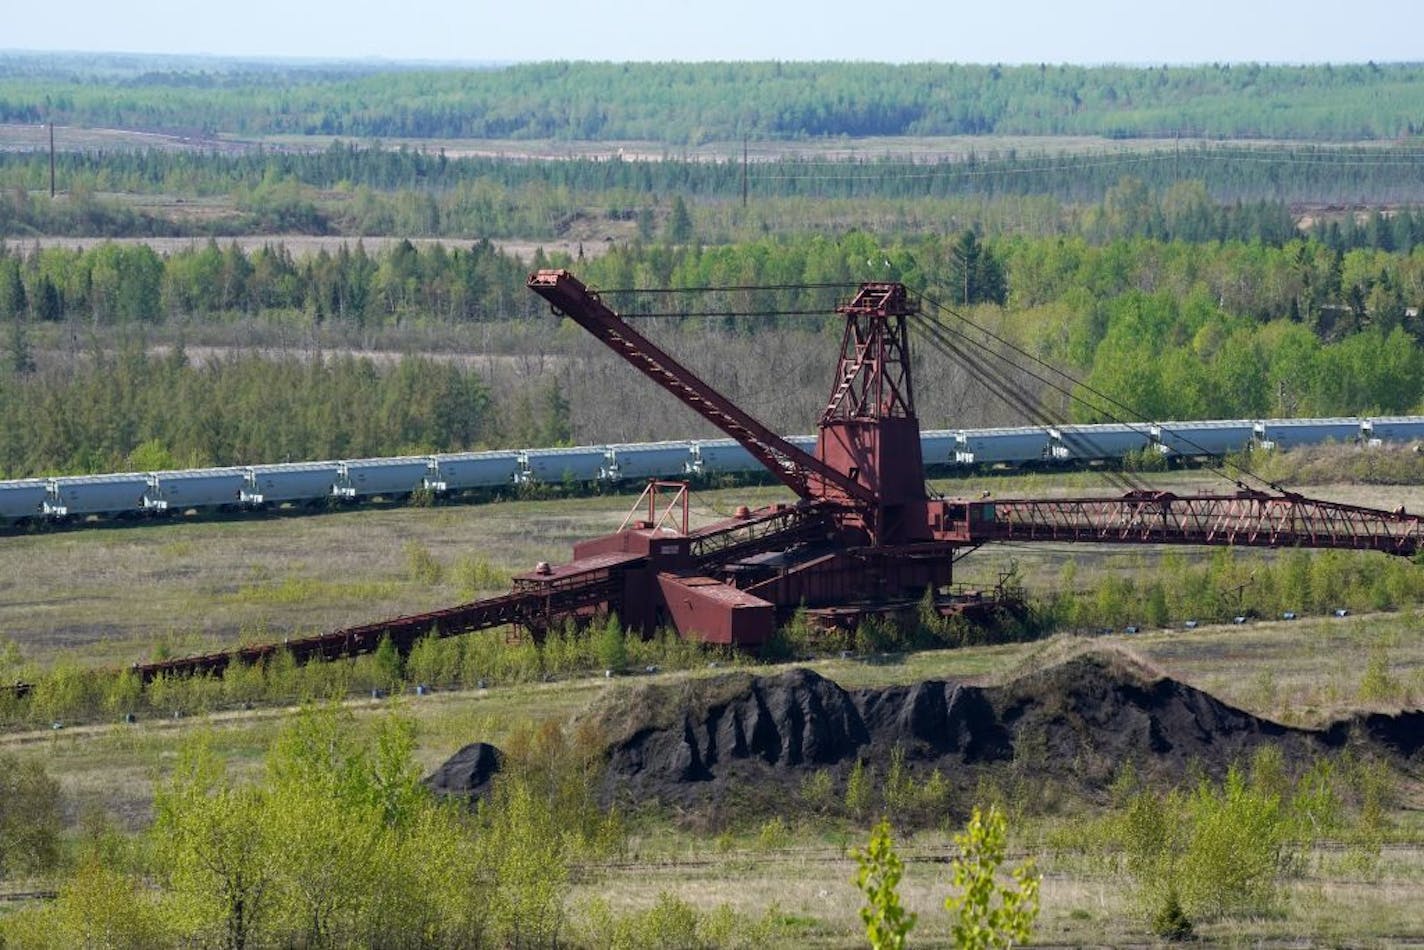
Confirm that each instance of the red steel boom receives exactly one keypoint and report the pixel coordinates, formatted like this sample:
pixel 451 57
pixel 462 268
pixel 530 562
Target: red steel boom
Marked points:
pixel 795 468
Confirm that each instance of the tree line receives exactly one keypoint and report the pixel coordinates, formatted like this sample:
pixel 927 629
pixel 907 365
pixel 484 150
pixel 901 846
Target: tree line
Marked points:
pixel 1172 329
pixel 126 410
pixel 1199 193
pixel 700 102
pixel 1332 293
pixel 131 283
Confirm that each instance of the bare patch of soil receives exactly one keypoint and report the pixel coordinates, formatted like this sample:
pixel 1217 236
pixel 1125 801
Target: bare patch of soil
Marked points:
pixel 305 245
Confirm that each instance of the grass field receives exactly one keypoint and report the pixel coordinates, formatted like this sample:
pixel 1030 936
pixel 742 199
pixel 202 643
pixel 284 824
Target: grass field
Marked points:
pixel 802 873
pixel 114 595
pixel 120 594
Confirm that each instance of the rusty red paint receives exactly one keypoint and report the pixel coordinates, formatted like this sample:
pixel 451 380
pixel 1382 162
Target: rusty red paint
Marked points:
pixel 863 538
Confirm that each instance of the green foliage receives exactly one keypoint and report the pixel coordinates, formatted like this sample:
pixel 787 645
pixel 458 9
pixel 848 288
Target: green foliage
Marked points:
pixel 30 820
pixel 542 815
pixel 215 841
pixel 19 355
pixel 1377 684
pixel 818 791
pixel 975 274
pixel 1231 582
pixel 877 633
pixel 474 575
pixel 523 837
pixel 94 413
pixel 887 923
pixel 1147 459
pixel 340 845
pixel 671 922
pixel 795 638
pixel 1169 921
pixel 1229 329
pixel 422 565
pixel 987 913
pixel 97 906
pixel 899 790
pixel 388 663
pixel 773 834
pixel 151 456
pixel 858 789
pixel 65 690
pixel 1219 850
pixel 691 103
pixel 612 646
pixel 679 223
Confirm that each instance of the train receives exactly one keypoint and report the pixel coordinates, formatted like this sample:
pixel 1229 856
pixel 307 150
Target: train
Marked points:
pixel 95 498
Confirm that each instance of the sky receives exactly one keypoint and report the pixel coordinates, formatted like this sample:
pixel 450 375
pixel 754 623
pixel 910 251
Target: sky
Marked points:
pixel 983 31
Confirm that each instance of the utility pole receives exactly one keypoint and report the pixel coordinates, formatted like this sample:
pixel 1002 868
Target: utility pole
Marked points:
pixel 962 259
pixel 51 160
pixel 744 172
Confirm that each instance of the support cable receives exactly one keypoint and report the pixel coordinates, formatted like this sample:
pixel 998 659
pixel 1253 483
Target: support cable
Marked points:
pixel 1000 383
pixel 1076 397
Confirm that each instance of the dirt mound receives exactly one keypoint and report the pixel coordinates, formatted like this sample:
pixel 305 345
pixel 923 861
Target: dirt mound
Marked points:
pixel 1075 723
pixel 1066 728
pixel 794 719
pixel 1398 735
pixel 468 773
pixel 1097 710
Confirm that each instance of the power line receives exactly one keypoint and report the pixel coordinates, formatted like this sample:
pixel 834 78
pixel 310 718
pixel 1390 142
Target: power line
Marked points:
pixel 947 339
pixel 718 288
pixel 999 382
pixel 635 315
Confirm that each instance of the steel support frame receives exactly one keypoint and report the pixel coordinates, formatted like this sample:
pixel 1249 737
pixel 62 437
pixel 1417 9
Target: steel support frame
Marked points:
pixel 1250 519
pixel 792 466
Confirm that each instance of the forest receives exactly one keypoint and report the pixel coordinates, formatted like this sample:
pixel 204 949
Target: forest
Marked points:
pixel 690 103
pixel 1196 193
pixel 1172 329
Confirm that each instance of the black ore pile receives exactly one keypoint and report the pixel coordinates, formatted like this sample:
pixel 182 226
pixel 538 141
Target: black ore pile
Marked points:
pixel 746 741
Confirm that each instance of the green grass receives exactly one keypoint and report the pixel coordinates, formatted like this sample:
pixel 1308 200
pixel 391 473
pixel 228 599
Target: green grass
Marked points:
pixel 120 594
pixel 113 768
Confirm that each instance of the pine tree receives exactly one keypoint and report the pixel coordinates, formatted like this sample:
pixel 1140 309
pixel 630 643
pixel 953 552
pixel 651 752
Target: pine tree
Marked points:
pixel 19 357
pixel 679 223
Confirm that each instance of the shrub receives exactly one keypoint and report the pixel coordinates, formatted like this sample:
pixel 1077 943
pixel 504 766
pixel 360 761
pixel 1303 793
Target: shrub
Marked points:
pixel 671 922
pixel 611 646
pixel 422 565
pixel 1216 850
pixel 984 912
pixel 898 790
pixel 932 797
pixel 1170 921
pixel 474 575
pixel 29 817
pixel 98 907
pixel 1238 846
pixel 818 791
pixel 857 790
pixel 1376 684
pixel 389 667
pixel 773 834
pixel 886 922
